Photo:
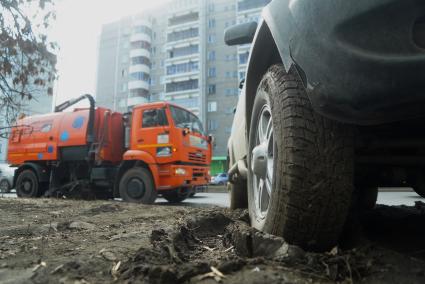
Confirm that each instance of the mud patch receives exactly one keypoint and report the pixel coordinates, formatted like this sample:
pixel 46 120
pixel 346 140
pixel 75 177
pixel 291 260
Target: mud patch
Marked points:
pixel 67 241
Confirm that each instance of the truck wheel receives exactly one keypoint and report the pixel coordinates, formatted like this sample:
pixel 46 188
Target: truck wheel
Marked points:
pixel 4 186
pixel 238 195
pixel 300 165
pixel 27 185
pixel 137 186
pixel 175 196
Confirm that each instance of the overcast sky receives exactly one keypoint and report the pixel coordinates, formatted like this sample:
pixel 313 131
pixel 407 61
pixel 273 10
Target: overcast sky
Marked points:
pixel 77 31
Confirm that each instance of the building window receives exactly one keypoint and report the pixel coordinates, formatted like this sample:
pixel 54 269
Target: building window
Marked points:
pixel 235 74
pixel 231 92
pixel 228 74
pixel 211 23
pixel 211 72
pixel 140 60
pixel 241 75
pixel 212 106
pixel 211 7
pixel 183 51
pixel 141 45
pixel 211 89
pixel 211 55
pixel 181 35
pixel 140 76
pixel 243 58
pixel 211 38
pixel 181 86
pixel 182 68
pixel 212 124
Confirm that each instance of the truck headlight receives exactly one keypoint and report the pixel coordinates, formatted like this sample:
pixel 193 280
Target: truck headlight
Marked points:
pixel 180 171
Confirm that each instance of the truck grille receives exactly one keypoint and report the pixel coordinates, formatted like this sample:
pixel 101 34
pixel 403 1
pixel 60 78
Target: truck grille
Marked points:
pixel 198 173
pixel 197 157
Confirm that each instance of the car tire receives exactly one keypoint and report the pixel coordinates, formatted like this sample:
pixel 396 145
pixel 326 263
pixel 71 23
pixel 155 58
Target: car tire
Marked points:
pixel 5 186
pixel 27 185
pixel 238 195
pixel 137 186
pixel 300 177
pixel 367 197
pixel 175 196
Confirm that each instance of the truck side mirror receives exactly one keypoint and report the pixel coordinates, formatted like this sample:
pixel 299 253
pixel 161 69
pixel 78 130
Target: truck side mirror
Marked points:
pixel 240 34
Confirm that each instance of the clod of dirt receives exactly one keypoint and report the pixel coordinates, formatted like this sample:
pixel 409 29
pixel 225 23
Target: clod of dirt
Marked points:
pixel 104 208
pixel 79 225
pixel 248 242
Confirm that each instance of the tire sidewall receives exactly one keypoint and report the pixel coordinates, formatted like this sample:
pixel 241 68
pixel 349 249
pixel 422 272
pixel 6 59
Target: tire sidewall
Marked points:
pixel 145 176
pixel 27 174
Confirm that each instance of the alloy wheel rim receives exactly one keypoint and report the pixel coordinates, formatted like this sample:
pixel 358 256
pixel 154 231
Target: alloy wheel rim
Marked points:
pixel 262 162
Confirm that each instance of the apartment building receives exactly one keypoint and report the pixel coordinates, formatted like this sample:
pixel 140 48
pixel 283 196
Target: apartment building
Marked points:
pixel 177 53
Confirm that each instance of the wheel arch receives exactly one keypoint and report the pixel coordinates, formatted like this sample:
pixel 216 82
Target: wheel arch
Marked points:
pixel 264 53
pixel 42 172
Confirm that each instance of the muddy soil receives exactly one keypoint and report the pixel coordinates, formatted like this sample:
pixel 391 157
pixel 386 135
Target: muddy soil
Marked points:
pixel 65 241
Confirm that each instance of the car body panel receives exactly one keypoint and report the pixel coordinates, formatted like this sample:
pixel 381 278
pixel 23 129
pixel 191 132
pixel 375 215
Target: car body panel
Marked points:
pixel 358 67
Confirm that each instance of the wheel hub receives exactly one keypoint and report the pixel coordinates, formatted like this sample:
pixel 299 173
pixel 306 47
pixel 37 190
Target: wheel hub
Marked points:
pixel 27 186
pixel 136 188
pixel 262 162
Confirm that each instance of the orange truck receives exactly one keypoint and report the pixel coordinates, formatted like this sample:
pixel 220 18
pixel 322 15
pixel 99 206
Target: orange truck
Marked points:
pixel 158 148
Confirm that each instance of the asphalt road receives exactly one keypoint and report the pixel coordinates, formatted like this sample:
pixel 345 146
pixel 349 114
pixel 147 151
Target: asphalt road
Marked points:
pixel 400 197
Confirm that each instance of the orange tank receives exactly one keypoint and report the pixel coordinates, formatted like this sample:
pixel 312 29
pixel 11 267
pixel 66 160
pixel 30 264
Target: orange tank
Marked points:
pixel 46 137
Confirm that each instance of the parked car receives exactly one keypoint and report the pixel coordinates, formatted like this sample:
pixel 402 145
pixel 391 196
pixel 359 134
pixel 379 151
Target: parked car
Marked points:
pixel 6 178
pixel 220 179
pixel 332 107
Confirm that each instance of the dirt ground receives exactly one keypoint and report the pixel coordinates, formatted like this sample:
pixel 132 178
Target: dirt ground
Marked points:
pixel 65 241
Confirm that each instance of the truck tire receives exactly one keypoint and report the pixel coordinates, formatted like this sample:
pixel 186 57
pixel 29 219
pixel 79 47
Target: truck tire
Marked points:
pixel 137 186
pixel 27 185
pixel 300 165
pixel 175 196
pixel 238 195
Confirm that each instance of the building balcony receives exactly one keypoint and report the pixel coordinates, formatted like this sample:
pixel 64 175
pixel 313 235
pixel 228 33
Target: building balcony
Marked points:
pixel 136 101
pixel 140 37
pixel 139 68
pixel 182 42
pixel 182 59
pixel 183 26
pixel 181 94
pixel 140 52
pixel 138 85
pixel 178 77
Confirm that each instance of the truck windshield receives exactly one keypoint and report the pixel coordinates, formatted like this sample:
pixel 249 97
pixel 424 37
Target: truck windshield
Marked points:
pixel 185 119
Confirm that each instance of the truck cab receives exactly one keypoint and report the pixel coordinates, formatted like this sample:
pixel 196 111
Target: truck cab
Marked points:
pixel 172 144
